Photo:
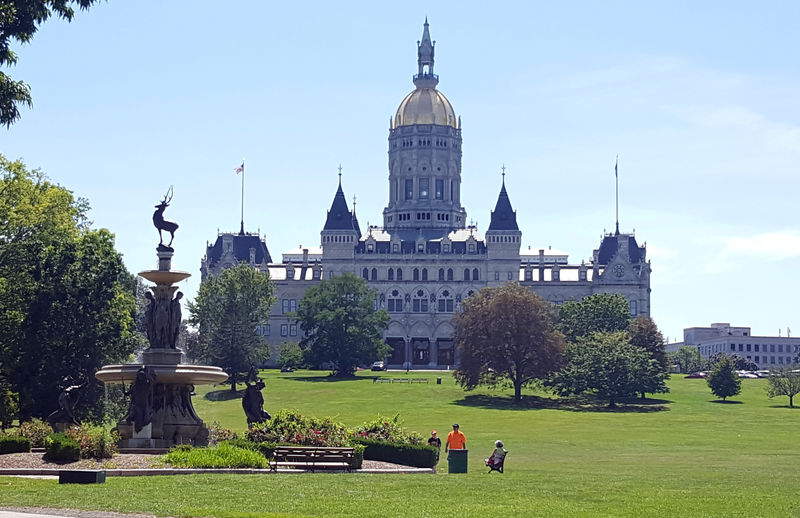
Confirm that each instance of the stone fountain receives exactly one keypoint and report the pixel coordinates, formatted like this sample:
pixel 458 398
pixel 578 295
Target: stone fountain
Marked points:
pixel 161 414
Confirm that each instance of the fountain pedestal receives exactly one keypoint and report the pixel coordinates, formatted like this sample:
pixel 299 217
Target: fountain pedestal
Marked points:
pixel 161 414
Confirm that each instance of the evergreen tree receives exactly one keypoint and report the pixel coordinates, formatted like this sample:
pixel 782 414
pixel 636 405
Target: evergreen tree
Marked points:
pixel 723 380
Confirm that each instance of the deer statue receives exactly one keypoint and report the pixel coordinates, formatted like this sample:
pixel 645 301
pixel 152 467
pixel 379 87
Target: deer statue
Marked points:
pixel 162 224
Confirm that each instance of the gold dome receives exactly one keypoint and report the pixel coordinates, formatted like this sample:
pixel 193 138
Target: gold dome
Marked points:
pixel 425 106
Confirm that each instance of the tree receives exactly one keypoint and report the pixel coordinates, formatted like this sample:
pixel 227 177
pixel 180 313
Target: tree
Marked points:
pixel 227 311
pixel 290 355
pixel 784 382
pixel 688 359
pixel 739 363
pixel 643 333
pixel 599 312
pixel 506 335
pixel 607 365
pixel 723 380
pixel 19 21
pixel 66 299
pixel 341 325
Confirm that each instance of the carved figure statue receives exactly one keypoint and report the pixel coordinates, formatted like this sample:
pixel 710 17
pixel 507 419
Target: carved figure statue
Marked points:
pixel 162 224
pixel 67 400
pixel 149 323
pixel 141 393
pixel 253 403
pixel 252 374
pixel 175 320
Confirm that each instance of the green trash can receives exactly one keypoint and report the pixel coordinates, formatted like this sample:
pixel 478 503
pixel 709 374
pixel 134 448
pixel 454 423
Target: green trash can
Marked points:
pixel 457 461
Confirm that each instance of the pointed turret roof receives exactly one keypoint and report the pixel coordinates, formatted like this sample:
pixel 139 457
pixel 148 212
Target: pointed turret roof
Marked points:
pixel 503 216
pixel 339 217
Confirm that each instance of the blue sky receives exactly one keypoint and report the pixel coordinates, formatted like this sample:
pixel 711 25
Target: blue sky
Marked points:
pixel 699 100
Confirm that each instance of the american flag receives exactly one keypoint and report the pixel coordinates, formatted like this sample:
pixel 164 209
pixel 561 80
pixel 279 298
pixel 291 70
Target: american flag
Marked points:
pixel 240 169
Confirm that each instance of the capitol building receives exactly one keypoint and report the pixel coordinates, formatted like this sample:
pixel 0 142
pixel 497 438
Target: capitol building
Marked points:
pixel 425 259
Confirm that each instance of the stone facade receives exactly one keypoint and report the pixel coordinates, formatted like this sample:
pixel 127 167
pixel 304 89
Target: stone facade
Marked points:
pixel 426 259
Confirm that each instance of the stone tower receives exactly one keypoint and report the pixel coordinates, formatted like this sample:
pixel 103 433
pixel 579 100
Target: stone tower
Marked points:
pixel 424 154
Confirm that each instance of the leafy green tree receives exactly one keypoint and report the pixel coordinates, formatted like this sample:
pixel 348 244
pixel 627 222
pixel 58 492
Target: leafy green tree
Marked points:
pixel 9 406
pixel 739 363
pixel 608 366
pixel 290 355
pixel 723 380
pixel 341 325
pixel 19 21
pixel 506 335
pixel 66 299
pixel 600 312
pixel 688 359
pixel 228 309
pixel 784 382
pixel 643 333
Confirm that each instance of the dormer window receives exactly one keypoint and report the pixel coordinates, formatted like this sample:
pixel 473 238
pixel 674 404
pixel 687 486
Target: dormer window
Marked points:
pixel 446 248
pixel 420 248
pixel 395 247
pixel 370 247
pixel 471 248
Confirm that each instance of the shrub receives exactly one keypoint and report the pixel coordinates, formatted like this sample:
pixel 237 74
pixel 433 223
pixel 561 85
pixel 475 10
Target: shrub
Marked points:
pixel 387 430
pixel 36 430
pixel 221 456
pixel 290 427
pixel 418 455
pixel 14 444
pixel 61 447
pixel 217 434
pixel 9 406
pixel 96 442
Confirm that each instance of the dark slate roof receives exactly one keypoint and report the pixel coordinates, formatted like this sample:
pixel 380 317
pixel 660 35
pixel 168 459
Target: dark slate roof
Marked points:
pixel 608 248
pixel 242 243
pixel 355 221
pixel 339 217
pixel 503 216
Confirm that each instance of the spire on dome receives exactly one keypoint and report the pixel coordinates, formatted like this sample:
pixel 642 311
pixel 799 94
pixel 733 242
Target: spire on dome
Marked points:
pixel 503 216
pixel 425 78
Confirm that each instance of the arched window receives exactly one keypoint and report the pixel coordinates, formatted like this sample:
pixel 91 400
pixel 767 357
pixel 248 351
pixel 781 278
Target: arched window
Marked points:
pixel 475 275
pixel 394 302
pixel 449 274
pixel 374 274
pixel 424 274
pixel 466 274
pixel 416 274
pixel 390 275
pixel 446 302
pixel 419 303
pixel 365 274
pixel 399 274
pixel 441 274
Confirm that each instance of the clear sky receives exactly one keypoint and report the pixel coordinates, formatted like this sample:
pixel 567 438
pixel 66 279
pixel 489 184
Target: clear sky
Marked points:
pixel 700 100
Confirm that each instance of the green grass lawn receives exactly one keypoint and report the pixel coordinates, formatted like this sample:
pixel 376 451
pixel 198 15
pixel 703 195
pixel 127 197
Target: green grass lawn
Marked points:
pixel 681 455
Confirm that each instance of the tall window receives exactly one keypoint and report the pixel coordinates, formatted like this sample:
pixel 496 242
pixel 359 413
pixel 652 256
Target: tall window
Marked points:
pixel 449 274
pixel 424 187
pixel 409 189
pixel 284 329
pixel 424 274
pixel 475 275
pixel 416 274
pixel 439 189
pixel 293 330
pixel 420 302
pixel 390 275
pixel 394 303
pixel 466 274
pixel 374 275
pixel 399 274
pixel 441 274
pixel 365 273
pixel 446 302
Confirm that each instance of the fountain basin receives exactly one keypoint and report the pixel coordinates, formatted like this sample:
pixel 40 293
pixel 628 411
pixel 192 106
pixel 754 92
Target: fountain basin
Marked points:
pixel 170 374
pixel 164 277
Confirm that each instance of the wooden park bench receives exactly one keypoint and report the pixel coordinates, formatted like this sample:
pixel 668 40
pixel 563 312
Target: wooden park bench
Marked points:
pixel 381 380
pixel 419 380
pixel 399 380
pixel 312 458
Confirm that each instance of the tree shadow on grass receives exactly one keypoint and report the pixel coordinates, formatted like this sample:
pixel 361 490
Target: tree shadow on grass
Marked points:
pixel 568 404
pixel 223 395
pixel 329 379
pixel 726 402
pixel 786 406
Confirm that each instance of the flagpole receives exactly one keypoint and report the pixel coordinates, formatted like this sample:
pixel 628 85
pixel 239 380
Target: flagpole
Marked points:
pixel 241 231
pixel 616 181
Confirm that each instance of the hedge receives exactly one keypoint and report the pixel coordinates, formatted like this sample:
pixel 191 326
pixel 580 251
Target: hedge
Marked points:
pixel 62 447
pixel 14 444
pixel 417 455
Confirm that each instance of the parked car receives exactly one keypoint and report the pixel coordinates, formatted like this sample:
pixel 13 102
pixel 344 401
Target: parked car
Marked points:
pixel 379 366
pixel 695 375
pixel 287 369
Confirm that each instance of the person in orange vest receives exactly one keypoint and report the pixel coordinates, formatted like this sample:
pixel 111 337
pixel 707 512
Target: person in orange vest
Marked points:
pixel 455 440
